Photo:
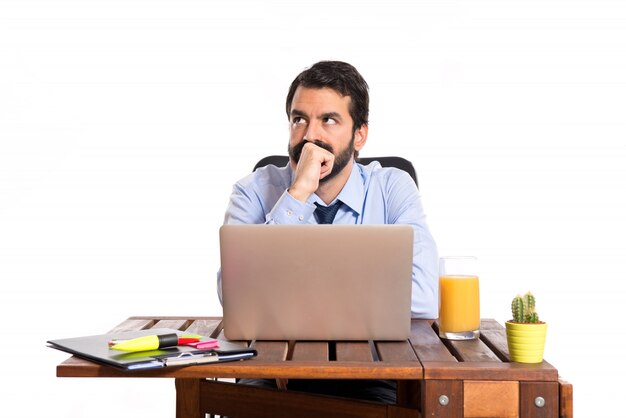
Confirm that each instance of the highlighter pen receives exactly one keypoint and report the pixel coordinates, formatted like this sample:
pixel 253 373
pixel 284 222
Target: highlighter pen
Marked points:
pixel 150 342
pixel 181 341
pixel 185 339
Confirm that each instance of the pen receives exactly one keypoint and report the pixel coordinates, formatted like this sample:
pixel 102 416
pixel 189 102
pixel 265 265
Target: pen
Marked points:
pixel 189 358
pixel 151 342
pixel 206 357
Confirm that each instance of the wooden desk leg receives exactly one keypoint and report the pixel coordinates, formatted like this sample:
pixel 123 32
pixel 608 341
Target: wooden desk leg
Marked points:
pixel 566 399
pixel 407 400
pixel 539 399
pixel 442 398
pixel 408 393
pixel 188 398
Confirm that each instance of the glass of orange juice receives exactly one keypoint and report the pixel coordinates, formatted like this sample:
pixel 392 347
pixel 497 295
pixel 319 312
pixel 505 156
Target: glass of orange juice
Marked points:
pixel 459 298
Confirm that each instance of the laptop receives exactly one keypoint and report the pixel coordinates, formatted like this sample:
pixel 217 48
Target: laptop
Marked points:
pixel 316 282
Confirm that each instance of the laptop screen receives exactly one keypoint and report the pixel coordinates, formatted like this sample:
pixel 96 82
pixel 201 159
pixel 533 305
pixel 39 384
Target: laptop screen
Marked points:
pixel 316 282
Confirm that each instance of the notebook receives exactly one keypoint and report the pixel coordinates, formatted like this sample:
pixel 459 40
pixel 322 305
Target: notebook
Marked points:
pixel 96 348
pixel 316 282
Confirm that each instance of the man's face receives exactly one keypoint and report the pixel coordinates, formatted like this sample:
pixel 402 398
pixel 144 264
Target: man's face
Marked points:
pixel 322 116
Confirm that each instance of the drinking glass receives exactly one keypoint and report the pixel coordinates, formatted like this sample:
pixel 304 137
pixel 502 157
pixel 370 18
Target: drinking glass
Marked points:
pixel 459 298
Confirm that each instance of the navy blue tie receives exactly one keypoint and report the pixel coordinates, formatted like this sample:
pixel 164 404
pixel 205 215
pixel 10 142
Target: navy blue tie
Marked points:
pixel 326 214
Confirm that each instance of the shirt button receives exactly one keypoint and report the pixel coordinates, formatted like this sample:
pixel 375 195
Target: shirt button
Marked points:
pixel 289 213
pixel 301 217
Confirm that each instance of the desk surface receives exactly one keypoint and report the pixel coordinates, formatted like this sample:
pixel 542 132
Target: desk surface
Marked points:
pixel 423 356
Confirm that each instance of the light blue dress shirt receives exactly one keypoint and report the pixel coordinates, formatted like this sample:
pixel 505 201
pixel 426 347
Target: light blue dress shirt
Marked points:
pixel 372 195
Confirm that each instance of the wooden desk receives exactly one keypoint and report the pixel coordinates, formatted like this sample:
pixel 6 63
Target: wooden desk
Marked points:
pixel 435 377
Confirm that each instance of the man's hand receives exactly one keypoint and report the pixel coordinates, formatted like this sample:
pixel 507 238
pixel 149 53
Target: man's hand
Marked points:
pixel 315 164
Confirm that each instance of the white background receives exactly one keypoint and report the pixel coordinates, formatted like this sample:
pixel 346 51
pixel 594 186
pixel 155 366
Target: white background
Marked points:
pixel 123 125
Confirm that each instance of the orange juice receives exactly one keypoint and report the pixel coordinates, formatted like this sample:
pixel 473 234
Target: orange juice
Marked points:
pixel 459 303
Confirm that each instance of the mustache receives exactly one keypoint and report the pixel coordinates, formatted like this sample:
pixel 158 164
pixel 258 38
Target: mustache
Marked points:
pixel 296 150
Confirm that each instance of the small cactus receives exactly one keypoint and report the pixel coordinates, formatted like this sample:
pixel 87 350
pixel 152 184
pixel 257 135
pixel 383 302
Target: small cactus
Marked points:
pixel 523 309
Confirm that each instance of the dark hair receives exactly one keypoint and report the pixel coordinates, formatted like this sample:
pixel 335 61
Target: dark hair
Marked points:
pixel 341 77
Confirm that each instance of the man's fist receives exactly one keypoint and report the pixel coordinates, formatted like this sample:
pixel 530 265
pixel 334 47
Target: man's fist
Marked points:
pixel 314 164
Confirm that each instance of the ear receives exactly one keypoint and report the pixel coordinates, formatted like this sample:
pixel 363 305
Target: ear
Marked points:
pixel 360 137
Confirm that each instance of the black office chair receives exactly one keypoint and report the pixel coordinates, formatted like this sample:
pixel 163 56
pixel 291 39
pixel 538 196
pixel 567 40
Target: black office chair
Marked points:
pixel 397 162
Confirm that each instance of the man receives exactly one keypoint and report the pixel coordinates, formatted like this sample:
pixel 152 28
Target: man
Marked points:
pixel 328 106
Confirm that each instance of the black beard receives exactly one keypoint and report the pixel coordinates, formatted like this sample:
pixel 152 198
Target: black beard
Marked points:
pixel 341 160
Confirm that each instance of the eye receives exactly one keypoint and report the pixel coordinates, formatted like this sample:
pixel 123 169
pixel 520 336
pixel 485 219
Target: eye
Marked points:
pixel 298 120
pixel 330 121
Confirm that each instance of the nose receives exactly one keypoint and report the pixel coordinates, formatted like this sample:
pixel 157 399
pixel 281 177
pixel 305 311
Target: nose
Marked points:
pixel 313 132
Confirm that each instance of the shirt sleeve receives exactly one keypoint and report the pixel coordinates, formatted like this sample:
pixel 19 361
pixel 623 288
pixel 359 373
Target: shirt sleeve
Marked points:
pixel 254 200
pixel 257 201
pixel 289 210
pixel 404 206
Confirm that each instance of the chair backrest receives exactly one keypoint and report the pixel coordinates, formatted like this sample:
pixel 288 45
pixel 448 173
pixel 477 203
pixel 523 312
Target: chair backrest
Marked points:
pixel 397 162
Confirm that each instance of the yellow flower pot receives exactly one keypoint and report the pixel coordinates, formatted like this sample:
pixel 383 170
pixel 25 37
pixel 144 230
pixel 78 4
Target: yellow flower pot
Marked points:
pixel 526 341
